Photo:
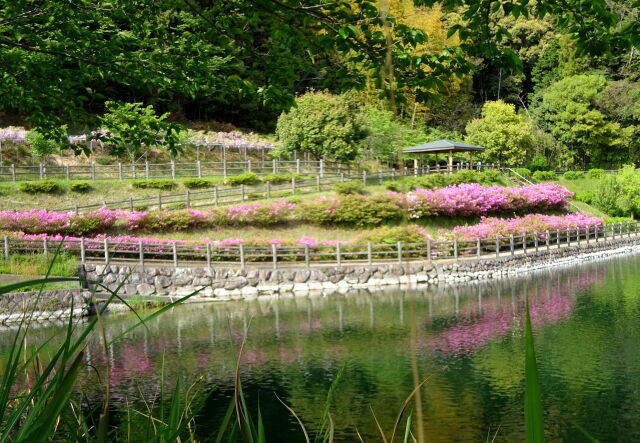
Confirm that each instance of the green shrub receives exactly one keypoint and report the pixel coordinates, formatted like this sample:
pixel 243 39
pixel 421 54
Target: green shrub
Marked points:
pixel 351 187
pixel 585 197
pixel 463 176
pixel 544 176
pixel 278 179
pixel 610 220
pixel 538 163
pixel 176 205
pixel 429 181
pixel 248 178
pixel 392 235
pixel 392 185
pixel 103 161
pixel 80 226
pixel 595 173
pixel 255 196
pixel 523 172
pixel 606 196
pixel 490 176
pixel 573 175
pixel 164 185
pixel 351 210
pixel 196 183
pixel 81 187
pixel 40 187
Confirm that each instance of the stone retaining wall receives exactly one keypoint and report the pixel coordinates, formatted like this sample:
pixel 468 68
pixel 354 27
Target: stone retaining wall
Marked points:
pixel 228 283
pixel 52 305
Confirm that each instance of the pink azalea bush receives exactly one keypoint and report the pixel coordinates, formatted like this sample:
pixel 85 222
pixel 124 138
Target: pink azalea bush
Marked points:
pixel 473 200
pixel 503 227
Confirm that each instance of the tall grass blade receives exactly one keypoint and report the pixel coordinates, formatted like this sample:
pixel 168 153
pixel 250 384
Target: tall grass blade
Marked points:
pixel 407 431
pixel 533 423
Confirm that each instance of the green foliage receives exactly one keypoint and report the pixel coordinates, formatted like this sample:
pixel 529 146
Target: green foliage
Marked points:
pixel 165 185
pixel 544 176
pixel 585 197
pixel 65 265
pixel 606 195
pixel 102 160
pixel 386 136
pixel 248 179
pixel 196 183
pixel 323 125
pixel 431 181
pixel 393 185
pixel 132 127
pixel 526 173
pixel 351 210
pixel 573 175
pixel 176 205
pixel 507 136
pixel 490 176
pixel 538 163
pixel 40 187
pixel 43 145
pixel 595 173
pixel 392 235
pixel 351 187
pixel 80 187
pixel 567 111
pixel 278 179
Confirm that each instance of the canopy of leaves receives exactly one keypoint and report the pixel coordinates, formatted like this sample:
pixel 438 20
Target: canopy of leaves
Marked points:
pixel 506 135
pixel 324 125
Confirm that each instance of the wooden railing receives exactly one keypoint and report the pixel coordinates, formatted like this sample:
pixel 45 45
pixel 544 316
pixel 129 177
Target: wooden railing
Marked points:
pixel 275 256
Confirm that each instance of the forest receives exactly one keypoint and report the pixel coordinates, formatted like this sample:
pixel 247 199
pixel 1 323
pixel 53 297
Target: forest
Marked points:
pixel 543 84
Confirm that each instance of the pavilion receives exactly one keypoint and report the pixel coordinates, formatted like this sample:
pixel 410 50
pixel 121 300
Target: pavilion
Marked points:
pixel 441 147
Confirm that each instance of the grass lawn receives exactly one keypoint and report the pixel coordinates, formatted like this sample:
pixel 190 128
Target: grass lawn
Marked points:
pixel 65 265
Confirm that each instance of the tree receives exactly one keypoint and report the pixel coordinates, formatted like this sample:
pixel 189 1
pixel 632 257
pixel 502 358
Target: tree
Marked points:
pixel 507 136
pixel 323 125
pixel 130 127
pixel 567 111
pixel 42 147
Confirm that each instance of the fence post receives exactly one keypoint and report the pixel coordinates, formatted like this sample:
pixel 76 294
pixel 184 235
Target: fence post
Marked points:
pixel 293 186
pixel 188 198
pixel 75 209
pixel 628 230
pixel 399 245
pixel 606 228
pixel 41 171
pixel 173 169
pixel 525 238
pixel 364 178
pixel 199 167
pixel 558 237
pixel 511 244
pixel 297 166
pixel 159 201
pixel 268 189
pixel 141 253
pixel 274 166
pixel 241 256
pixel 338 258
pixel 6 247
pixel 318 183
pixel 578 235
pixel 13 172
pixel 131 203
pixel 478 247
pixel 429 249
pixel 535 240
pixel 546 240
pixel 587 233
pixel 342 177
pixel 306 255
pixel 66 172
pixel 224 165
pixel 174 248
pixel 497 247
pixel 321 167
pixel 106 250
pixel 369 254
pixel 215 195
pixel 241 193
pixel 45 246
pixel 274 253
pixel 568 236
pixel 82 250
pixel 119 171
pixel 248 165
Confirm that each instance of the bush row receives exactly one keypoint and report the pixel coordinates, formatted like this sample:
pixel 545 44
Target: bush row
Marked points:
pixel 432 181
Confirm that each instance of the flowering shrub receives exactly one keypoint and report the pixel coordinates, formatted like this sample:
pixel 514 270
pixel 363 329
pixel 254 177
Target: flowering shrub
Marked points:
pixel 351 210
pixel 471 199
pixel 496 227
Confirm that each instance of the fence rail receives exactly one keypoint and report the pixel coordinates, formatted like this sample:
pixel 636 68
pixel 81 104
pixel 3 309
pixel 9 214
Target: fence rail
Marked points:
pixel 274 256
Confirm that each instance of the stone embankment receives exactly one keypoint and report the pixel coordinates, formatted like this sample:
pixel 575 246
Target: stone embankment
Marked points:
pixel 219 283
pixel 55 304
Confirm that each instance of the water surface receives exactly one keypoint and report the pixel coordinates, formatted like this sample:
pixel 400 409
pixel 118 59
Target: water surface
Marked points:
pixel 467 340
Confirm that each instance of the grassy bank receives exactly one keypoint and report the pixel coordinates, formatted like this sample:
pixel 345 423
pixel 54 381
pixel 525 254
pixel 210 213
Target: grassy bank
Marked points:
pixel 65 265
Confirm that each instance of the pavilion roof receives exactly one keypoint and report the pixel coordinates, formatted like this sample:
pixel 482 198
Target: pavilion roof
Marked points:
pixel 442 146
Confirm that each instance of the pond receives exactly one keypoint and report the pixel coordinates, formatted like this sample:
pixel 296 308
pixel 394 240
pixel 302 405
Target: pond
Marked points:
pixel 467 341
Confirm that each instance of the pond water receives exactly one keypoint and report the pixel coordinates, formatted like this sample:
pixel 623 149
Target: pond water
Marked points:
pixel 467 340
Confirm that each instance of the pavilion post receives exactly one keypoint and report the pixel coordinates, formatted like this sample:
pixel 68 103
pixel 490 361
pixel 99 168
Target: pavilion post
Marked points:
pixel 450 162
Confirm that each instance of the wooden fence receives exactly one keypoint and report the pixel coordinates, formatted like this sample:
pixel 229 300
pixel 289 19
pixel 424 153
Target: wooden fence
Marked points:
pixel 275 256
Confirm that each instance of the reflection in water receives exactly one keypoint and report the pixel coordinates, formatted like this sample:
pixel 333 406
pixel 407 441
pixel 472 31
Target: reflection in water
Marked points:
pixel 467 340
